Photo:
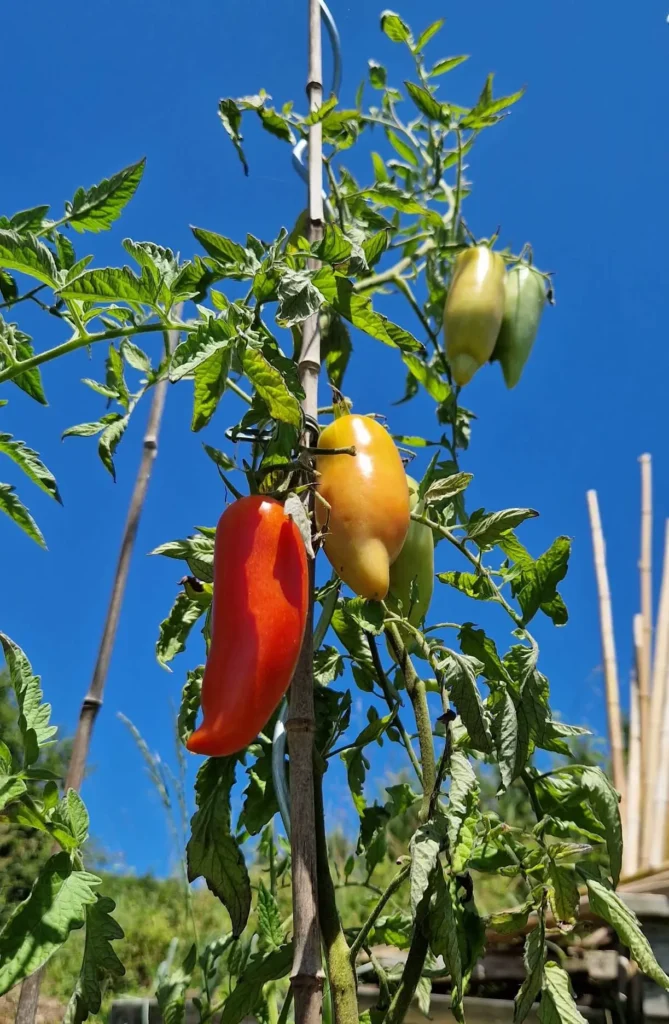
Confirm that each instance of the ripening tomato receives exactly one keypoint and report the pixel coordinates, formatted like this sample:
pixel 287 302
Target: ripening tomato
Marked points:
pixel 259 613
pixel 368 497
pixel 473 311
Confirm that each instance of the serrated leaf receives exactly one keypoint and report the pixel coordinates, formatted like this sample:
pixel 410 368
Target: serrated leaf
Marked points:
pixel 563 894
pixel 378 76
pixel 41 924
pixel 609 906
pixel 27 255
pixel 434 384
pixel 368 615
pixel 270 385
pixel 298 297
pixel 424 847
pixel 374 247
pixel 536 585
pixel 109 442
pixel 212 851
pixel 511 922
pixel 29 220
pixel 357 309
pixel 402 148
pixel 386 194
pixel 505 734
pixel 210 336
pixel 427 104
pixel 444 940
pixel 336 349
pixel 557 1004
pixel 231 119
pixel 463 811
pixel 135 356
pixel 21 347
pixel 209 385
pixel 112 284
pixel 393 26
pixel 460 671
pixel 269 919
pixel 190 703
pixel 221 248
pixel 12 506
pixel 219 458
pixel 533 958
pixel 11 788
pixel 175 629
pixel 78 816
pixel 427 34
pixel 294 507
pixel 31 464
pixel 95 209
pixel 260 969
pixel 197 551
pixel 33 714
pixel 487 529
pixel 478 587
pixel 447 487
pixel 100 963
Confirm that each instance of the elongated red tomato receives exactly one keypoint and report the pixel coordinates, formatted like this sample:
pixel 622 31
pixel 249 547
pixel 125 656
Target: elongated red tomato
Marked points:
pixel 258 618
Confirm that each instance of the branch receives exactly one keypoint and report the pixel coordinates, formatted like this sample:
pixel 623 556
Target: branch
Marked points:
pixel 361 937
pixel 385 687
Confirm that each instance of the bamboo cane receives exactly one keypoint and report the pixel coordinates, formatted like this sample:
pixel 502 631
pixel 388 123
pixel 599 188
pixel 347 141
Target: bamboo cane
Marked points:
pixel 306 974
pixel 26 1009
pixel 608 650
pixel 657 700
pixel 631 847
pixel 645 581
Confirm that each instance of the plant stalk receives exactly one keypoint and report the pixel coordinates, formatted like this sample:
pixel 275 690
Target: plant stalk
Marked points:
pixel 307 973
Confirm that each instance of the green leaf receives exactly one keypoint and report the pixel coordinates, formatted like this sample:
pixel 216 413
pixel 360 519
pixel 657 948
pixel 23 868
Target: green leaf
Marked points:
pixel 210 382
pixel 557 1004
pixel 357 309
pixel 112 284
pixel 27 255
pixel 12 506
pixel 375 246
pixel 443 925
pixel 536 585
pixel 275 124
pixel 210 336
pixel 231 119
pixel 378 76
pixel 505 734
pixel 478 587
pixel 219 458
pixel 197 551
pixel 31 464
pixel 427 104
pixel 562 893
pixel 609 906
pixel 77 816
pixel 260 803
pixel 41 924
pixel 221 248
pixel 511 922
pixel 270 385
pixel 261 968
pixel 212 851
pixel 447 487
pixel 386 194
pixel 109 442
pixel 95 209
pixel 434 384
pixel 190 703
pixel 134 356
pixel 100 963
pixel 172 985
pixel 175 629
pixel 11 788
pixel 298 297
pixel 487 529
pixel 336 349
pixel 605 802
pixel 486 110
pixel 29 220
pixel 269 919
pixel 402 148
pixel 424 847
pixel 427 34
pixel 368 615
pixel 442 66
pixel 33 714
pixel 463 811
pixel 393 26
pixel 533 958
pixel 460 673
pixel 21 347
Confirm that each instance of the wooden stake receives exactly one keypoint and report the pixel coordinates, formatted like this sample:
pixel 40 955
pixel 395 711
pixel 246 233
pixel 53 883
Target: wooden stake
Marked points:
pixel 657 701
pixel 645 580
pixel 661 791
pixel 307 974
pixel 608 650
pixel 631 847
pixel 26 1009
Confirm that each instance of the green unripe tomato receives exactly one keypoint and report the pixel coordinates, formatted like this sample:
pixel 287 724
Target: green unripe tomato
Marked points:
pixel 524 301
pixel 414 562
pixel 473 311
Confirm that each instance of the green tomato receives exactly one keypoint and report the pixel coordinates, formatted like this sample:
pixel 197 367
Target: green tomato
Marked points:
pixel 415 562
pixel 524 301
pixel 473 311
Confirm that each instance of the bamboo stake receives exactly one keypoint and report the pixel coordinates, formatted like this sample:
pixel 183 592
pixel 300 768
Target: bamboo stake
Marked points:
pixel 661 801
pixel 657 700
pixel 631 847
pixel 645 581
pixel 608 650
pixel 307 974
pixel 26 1009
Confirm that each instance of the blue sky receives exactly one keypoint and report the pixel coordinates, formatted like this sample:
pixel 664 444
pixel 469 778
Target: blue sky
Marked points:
pixel 578 169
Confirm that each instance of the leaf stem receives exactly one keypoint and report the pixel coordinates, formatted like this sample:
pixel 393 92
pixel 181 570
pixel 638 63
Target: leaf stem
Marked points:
pixel 230 383
pixel 385 686
pixel 366 928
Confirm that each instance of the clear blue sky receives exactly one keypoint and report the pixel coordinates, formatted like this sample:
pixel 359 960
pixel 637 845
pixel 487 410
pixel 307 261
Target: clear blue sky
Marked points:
pixel 578 169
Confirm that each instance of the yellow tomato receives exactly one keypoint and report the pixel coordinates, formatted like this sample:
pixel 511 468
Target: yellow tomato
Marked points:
pixel 473 311
pixel 368 495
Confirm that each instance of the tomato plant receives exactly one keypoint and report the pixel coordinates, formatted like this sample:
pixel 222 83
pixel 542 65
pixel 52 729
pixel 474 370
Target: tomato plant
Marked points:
pixel 448 698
